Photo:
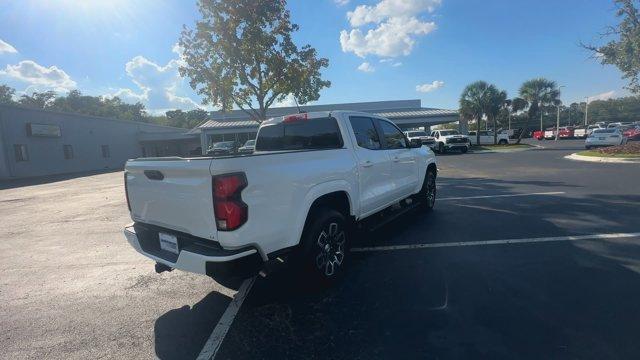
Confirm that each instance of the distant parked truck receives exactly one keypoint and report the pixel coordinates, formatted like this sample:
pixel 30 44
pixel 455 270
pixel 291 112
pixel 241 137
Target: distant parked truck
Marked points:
pixel 486 138
pixel 538 135
pixel 566 132
pixel 550 133
pixel 580 132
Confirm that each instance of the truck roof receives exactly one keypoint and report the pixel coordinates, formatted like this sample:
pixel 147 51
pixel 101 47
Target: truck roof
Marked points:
pixel 312 115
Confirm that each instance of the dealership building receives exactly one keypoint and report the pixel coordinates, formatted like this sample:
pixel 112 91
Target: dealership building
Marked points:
pixel 39 143
pixel 237 126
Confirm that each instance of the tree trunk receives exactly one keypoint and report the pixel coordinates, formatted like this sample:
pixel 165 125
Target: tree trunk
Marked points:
pixel 478 132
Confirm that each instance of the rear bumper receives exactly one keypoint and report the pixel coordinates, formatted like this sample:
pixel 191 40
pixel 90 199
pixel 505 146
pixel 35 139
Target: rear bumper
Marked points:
pixel 194 254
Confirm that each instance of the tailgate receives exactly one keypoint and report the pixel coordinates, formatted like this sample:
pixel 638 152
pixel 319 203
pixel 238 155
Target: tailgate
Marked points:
pixel 173 193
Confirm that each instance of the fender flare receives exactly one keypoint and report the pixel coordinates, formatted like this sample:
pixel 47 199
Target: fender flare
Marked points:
pixel 314 194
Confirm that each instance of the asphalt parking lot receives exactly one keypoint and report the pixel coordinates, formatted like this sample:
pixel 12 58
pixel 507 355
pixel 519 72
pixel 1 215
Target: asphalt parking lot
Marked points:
pixel 527 255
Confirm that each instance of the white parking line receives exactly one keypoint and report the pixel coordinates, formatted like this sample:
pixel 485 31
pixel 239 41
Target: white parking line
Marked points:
pixel 499 196
pixel 212 345
pixel 497 242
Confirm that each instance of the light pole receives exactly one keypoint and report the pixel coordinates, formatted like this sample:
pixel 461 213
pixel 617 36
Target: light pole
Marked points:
pixel 558 119
pixel 586 111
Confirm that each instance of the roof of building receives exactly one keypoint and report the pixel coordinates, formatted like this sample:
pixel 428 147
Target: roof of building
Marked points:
pixel 399 109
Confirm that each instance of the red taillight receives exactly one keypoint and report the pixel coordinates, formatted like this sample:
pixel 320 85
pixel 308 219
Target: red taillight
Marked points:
pixel 294 118
pixel 230 211
pixel 126 191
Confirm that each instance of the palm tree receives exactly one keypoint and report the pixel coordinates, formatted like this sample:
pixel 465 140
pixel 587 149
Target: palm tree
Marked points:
pixel 480 99
pixel 537 93
pixel 495 99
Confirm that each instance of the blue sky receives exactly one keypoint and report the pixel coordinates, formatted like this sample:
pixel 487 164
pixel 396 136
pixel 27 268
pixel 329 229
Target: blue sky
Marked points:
pixel 378 49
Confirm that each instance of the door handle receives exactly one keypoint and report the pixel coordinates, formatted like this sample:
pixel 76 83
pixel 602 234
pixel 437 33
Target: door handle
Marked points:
pixel 367 164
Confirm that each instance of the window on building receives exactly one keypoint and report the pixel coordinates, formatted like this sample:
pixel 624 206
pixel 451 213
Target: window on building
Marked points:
pixel 21 152
pixel 366 134
pixel 68 151
pixel 393 138
pixel 105 151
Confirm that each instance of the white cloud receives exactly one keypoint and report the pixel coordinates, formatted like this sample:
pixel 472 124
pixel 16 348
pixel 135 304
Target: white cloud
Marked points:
pixel 160 87
pixel 390 39
pixel 425 88
pixel 366 67
pixel 395 26
pixel 341 2
pixel 364 14
pixel 396 64
pixel 604 96
pixel 7 48
pixel 37 76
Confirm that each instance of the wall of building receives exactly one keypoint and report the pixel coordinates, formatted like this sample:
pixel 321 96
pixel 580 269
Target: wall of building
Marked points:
pixel 86 134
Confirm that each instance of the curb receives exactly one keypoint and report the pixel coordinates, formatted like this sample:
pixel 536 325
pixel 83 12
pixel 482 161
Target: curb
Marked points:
pixel 599 159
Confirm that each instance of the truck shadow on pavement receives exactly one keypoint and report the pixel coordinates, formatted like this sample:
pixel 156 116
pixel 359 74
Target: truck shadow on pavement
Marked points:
pixel 181 333
pixel 549 300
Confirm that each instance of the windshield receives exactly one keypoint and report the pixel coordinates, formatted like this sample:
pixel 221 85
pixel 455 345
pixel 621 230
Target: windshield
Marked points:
pixel 416 133
pixel 449 132
pixel 605 131
pixel 226 144
pixel 250 143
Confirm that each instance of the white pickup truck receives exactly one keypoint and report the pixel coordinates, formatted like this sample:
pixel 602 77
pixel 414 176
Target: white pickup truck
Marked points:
pixel 311 178
pixel 450 140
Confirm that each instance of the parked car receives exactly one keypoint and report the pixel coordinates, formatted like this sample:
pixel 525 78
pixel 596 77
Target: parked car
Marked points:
pixel 294 200
pixel 550 133
pixel 248 147
pixel 590 128
pixel 538 134
pixel 580 132
pixel 451 140
pixel 567 132
pixel 422 137
pixel 604 137
pixel 632 133
pixel 222 148
pixel 486 138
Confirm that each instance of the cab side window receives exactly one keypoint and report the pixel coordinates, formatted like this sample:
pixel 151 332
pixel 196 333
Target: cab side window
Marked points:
pixel 366 134
pixel 393 138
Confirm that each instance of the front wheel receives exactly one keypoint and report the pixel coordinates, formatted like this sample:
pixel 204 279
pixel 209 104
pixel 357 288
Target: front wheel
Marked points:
pixel 325 245
pixel 464 150
pixel 503 142
pixel 441 148
pixel 427 195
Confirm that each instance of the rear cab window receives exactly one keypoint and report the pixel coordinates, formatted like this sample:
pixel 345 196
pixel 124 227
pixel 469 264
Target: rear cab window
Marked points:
pixel 304 134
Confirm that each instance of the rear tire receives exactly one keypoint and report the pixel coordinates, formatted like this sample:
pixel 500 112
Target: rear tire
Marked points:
pixel 427 195
pixel 325 246
pixel 588 147
pixel 503 142
pixel 464 150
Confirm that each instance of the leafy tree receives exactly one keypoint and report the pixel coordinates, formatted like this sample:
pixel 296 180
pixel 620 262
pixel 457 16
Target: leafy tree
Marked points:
pixel 38 100
pixel 189 119
pixel 538 93
pixel 241 53
pixel 624 52
pixel 6 95
pixel 481 99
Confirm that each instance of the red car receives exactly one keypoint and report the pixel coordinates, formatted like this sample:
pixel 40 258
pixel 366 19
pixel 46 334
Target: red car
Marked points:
pixel 566 132
pixel 538 135
pixel 632 134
